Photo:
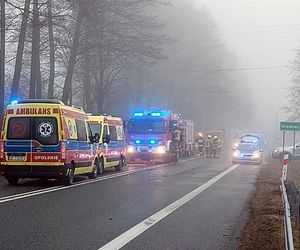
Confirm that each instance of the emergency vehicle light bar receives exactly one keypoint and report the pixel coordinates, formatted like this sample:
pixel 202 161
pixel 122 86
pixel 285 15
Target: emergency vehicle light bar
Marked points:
pixel 156 113
pixel 138 114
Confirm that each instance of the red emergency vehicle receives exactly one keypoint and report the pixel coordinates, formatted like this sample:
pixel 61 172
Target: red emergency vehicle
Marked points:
pixel 149 136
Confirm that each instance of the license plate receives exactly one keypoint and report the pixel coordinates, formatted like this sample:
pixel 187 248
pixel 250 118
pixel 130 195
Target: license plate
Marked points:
pixel 144 149
pixel 16 157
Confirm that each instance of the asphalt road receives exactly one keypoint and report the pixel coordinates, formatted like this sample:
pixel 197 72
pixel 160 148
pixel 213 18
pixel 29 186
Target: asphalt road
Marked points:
pixel 188 205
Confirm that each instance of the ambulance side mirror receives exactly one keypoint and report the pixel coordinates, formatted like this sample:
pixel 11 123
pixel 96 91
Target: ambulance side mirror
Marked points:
pixel 96 138
pixel 106 139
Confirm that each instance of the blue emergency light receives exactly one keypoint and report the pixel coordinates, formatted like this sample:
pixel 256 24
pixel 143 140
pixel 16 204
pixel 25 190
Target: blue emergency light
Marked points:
pixel 14 102
pixel 137 141
pixel 152 141
pixel 156 114
pixel 138 114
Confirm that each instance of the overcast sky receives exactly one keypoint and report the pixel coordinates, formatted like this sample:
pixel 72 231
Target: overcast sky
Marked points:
pixel 261 33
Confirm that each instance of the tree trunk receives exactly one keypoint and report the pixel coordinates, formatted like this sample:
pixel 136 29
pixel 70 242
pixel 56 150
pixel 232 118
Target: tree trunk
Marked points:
pixel 39 79
pixel 35 52
pixel 87 84
pixel 72 60
pixel 20 51
pixel 2 59
pixel 52 51
pixel 100 93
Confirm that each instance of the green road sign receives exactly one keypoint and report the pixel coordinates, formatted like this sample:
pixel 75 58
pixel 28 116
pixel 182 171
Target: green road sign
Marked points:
pixel 291 126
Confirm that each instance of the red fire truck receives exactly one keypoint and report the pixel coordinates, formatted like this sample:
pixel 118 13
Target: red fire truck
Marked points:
pixel 149 136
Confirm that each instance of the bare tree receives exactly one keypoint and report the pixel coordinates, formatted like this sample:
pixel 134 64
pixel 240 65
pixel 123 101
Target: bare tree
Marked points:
pixel 67 89
pixel 35 78
pixel 2 58
pixel 293 109
pixel 20 51
pixel 51 50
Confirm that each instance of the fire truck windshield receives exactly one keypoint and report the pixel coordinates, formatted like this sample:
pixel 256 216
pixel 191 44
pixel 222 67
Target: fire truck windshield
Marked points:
pixel 147 126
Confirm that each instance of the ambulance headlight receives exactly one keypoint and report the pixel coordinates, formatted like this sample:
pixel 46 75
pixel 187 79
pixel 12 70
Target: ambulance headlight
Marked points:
pixel 130 149
pixel 160 150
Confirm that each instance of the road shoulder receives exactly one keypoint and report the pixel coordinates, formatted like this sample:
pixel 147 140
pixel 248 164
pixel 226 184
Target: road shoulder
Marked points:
pixel 264 226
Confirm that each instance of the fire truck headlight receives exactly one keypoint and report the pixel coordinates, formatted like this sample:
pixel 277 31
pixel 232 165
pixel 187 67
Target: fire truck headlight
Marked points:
pixel 130 149
pixel 160 150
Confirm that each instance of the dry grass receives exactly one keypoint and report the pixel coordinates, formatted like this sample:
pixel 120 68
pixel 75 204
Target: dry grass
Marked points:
pixel 293 173
pixel 264 229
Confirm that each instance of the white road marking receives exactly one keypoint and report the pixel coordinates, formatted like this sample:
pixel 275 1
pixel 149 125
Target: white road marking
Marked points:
pixel 140 228
pixel 58 188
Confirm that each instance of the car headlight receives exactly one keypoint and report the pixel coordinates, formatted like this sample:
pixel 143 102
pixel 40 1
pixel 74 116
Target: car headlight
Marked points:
pixel 160 150
pixel 236 154
pixel 130 149
pixel 275 150
pixel 256 155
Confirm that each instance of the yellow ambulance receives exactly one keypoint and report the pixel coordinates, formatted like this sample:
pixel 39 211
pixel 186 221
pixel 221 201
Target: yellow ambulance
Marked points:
pixel 46 139
pixel 111 146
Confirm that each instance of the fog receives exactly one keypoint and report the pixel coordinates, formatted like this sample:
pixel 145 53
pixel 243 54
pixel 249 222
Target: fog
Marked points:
pixel 261 33
pixel 223 64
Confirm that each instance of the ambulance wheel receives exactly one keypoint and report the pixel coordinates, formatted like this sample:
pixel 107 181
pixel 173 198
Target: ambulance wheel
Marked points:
pixel 94 174
pixel 69 180
pixel 121 165
pixel 12 180
pixel 100 166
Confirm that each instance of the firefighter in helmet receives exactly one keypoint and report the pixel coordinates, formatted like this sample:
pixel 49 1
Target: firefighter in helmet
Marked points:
pixel 200 144
pixel 208 146
pixel 176 137
pixel 215 146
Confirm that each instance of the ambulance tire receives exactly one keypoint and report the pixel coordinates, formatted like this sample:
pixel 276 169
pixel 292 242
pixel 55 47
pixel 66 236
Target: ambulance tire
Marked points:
pixel 100 166
pixel 94 173
pixel 12 180
pixel 69 179
pixel 121 165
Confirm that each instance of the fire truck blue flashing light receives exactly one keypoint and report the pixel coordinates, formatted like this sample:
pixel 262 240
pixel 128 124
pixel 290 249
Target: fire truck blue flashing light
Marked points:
pixel 138 114
pixel 156 114
pixel 14 102
pixel 153 141
pixel 137 141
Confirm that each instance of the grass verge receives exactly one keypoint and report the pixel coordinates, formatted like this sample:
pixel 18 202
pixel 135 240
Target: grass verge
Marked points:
pixel 264 228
